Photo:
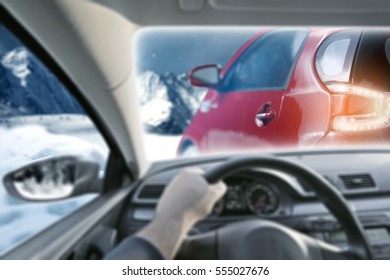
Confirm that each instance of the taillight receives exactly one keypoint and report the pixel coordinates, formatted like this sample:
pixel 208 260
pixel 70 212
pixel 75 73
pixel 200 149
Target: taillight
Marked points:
pixel 358 108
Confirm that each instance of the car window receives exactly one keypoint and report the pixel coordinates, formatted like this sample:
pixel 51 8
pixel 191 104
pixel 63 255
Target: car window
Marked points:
pixel 335 56
pixel 333 60
pixel 268 63
pixel 372 68
pixel 39 118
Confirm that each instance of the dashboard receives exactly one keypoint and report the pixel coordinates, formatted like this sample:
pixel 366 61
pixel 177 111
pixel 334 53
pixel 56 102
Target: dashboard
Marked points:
pixel 260 193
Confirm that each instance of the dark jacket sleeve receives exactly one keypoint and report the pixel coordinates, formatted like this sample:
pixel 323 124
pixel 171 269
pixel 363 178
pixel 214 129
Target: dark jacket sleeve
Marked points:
pixel 134 248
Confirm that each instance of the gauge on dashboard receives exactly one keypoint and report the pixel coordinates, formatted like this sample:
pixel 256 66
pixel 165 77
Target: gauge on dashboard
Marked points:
pixel 262 199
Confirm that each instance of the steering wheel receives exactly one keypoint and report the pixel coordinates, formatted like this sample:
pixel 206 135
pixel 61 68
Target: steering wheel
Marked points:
pixel 262 239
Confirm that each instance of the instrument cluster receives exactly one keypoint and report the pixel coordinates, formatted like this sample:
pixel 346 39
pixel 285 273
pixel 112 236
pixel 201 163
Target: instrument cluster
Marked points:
pixel 259 197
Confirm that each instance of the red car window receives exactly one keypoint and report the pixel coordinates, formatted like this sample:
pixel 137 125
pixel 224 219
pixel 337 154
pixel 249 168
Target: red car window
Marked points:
pixel 267 63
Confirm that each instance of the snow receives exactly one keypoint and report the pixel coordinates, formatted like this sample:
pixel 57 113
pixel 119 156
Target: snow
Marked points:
pixel 160 147
pixel 17 61
pixel 155 112
pixel 167 102
pixel 24 140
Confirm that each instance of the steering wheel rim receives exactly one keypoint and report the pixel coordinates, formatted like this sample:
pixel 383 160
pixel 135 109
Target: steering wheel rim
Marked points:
pixel 326 192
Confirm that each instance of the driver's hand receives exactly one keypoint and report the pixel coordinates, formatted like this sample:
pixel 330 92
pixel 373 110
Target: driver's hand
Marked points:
pixel 189 195
pixel 187 199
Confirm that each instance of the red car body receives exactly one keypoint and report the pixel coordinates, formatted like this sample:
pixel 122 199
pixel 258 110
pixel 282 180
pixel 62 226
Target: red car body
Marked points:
pixel 300 115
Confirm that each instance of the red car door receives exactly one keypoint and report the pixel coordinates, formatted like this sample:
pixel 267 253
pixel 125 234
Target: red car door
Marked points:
pixel 242 112
pixel 239 120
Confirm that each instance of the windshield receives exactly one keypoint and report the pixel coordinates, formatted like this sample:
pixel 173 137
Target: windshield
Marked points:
pixel 205 91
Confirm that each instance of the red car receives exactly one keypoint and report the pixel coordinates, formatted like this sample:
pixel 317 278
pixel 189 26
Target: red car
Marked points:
pixel 295 88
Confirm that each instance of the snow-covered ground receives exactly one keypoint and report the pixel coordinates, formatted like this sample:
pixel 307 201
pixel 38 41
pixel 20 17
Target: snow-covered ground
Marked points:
pixel 160 147
pixel 23 140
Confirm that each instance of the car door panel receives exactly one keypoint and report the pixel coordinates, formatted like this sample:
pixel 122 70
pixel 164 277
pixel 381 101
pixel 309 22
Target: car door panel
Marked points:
pixel 306 109
pixel 232 125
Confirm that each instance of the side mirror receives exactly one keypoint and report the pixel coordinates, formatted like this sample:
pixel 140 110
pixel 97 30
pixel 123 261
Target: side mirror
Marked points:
pixel 54 179
pixel 205 75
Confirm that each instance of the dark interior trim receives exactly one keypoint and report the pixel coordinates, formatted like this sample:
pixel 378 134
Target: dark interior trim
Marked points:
pixel 58 240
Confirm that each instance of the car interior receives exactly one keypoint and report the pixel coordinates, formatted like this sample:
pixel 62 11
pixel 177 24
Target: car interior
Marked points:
pixel 331 203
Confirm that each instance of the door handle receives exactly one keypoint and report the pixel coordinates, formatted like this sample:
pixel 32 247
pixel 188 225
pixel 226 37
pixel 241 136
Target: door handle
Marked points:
pixel 265 115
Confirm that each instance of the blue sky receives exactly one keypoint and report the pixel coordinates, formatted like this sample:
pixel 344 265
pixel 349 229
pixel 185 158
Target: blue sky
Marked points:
pixel 8 41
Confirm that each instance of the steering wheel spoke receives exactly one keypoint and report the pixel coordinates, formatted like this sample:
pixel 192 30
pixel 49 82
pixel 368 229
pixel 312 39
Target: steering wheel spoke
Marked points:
pixel 201 246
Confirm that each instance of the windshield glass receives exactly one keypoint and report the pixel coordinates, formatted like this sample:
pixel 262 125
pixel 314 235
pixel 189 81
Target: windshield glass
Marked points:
pixel 207 91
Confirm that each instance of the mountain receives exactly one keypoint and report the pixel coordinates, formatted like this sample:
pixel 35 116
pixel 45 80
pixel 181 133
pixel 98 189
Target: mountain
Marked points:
pixel 28 88
pixel 168 102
